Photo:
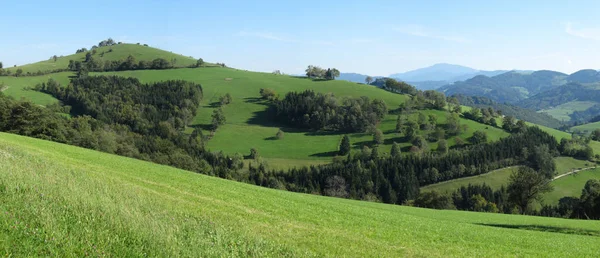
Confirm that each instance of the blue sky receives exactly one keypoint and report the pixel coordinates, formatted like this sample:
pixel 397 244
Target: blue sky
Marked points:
pixel 371 37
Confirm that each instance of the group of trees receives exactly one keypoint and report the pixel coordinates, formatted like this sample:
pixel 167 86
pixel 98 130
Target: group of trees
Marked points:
pixel 525 186
pixel 587 206
pixel 122 116
pixel 319 111
pixel 396 178
pixel 517 112
pixel 315 72
pixel 577 147
pixel 395 86
pixel 484 115
pixel 93 64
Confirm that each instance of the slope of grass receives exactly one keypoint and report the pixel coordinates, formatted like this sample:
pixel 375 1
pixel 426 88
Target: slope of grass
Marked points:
pixel 562 112
pixel 567 164
pixel 495 179
pixel 588 128
pixel 59 200
pixel 119 52
pixel 250 126
pixel 19 87
pixel 570 185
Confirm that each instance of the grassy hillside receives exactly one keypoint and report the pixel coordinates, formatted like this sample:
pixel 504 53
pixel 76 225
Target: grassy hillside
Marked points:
pixel 249 126
pixel 586 127
pixel 119 52
pixel 562 112
pixel 570 185
pixel 495 179
pixel 62 200
pixel 19 87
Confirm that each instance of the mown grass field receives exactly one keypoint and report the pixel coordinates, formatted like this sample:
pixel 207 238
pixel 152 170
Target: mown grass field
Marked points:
pixel 563 112
pixel 119 52
pixel 249 126
pixel 59 200
pixel 587 128
pixel 570 185
pixel 20 87
pixel 497 178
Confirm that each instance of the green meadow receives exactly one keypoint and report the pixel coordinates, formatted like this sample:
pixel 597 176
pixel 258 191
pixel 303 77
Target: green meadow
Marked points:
pixel 563 111
pixel 59 200
pixel 118 52
pixel 249 125
pixel 587 128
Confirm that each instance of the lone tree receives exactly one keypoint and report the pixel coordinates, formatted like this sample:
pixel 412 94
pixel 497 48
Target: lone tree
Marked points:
pixel 525 186
pixel 396 150
pixel 411 129
pixel 399 123
pixel 279 135
pixel 378 137
pixel 218 118
pixel 369 80
pixel 1 65
pixel 442 146
pixel 595 133
pixel 479 137
pixel 225 99
pixel 254 154
pixel 200 62
pixel 344 146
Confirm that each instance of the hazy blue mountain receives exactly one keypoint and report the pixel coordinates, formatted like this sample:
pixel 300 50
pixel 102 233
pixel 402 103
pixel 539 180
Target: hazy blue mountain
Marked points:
pixel 436 72
pixel 355 77
pixel 443 72
pixel 585 76
pixel 508 87
pixel 428 85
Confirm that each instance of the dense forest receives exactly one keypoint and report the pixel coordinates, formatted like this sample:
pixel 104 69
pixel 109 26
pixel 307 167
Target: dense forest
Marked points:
pixel 317 111
pixel 396 178
pixel 122 116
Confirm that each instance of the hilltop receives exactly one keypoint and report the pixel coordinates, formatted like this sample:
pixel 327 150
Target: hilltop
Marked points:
pixel 124 207
pixel 115 52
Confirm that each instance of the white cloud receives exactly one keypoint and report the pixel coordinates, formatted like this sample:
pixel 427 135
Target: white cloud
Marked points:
pixel 264 35
pixel 420 31
pixel 586 33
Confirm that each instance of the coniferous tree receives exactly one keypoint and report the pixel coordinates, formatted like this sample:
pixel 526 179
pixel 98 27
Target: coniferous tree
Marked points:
pixel 344 146
pixel 395 150
pixel 378 137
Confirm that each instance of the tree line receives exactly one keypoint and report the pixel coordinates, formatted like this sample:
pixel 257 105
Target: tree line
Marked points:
pixel 316 72
pixel 396 178
pixel 317 111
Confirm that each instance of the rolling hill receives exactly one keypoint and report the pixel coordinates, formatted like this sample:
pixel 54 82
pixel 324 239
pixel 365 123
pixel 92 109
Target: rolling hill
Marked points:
pixel 62 200
pixel 248 125
pixel 109 53
pixel 248 122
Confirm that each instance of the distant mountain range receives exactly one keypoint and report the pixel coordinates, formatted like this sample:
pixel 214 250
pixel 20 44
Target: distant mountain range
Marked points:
pixel 534 90
pixel 428 78
pixel 443 72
